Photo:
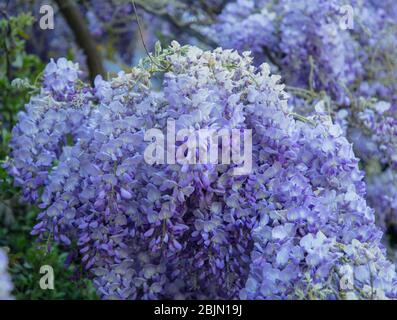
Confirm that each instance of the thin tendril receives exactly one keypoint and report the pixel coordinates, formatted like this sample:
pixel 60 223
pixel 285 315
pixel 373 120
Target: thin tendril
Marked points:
pixel 141 36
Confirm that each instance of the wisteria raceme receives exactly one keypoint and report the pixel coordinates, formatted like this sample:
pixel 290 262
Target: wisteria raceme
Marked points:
pixel 372 129
pixel 296 226
pixel 307 41
pixel 5 280
pixel 303 38
pixel 381 189
pixel 379 127
pixel 52 120
pixel 326 252
pixel 370 126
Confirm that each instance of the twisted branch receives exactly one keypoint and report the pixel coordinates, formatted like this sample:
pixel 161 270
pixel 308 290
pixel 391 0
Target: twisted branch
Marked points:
pixel 83 37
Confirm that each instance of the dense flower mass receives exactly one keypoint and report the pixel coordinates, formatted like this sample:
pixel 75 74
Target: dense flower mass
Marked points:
pixel 381 196
pixel 52 119
pixel 296 226
pixel 316 44
pixel 5 280
pixel 344 51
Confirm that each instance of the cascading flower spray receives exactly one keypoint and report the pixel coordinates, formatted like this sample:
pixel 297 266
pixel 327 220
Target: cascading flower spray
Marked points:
pixel 296 226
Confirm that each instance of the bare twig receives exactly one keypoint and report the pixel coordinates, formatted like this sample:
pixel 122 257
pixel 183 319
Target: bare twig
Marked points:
pixel 140 32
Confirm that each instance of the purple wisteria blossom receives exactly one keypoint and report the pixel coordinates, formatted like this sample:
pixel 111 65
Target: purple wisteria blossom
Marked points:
pixel 294 227
pixel 52 119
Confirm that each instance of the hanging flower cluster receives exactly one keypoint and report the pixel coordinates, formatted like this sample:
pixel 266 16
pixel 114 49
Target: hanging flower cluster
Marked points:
pixel 324 45
pixel 296 226
pixel 51 121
